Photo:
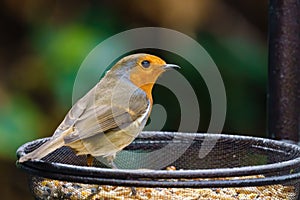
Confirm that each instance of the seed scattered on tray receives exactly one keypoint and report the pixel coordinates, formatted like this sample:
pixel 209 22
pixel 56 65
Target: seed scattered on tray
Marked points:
pixel 47 189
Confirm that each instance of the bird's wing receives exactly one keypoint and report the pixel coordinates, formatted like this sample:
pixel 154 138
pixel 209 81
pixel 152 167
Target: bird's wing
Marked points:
pixel 99 119
pixel 74 114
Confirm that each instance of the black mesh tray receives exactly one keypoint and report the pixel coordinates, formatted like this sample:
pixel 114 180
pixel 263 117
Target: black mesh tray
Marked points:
pixel 201 160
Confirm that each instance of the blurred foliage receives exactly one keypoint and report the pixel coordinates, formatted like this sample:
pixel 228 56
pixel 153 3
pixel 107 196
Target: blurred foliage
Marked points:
pixel 243 66
pixel 18 121
pixel 45 42
pixel 63 49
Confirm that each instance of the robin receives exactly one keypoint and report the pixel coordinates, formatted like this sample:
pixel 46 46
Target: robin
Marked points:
pixel 112 114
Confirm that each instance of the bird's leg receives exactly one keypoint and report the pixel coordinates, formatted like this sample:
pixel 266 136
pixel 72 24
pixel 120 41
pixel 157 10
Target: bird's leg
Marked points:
pixel 89 160
pixel 110 160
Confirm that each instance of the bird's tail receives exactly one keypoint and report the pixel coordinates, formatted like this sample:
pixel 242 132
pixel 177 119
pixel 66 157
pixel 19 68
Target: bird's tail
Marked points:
pixel 48 147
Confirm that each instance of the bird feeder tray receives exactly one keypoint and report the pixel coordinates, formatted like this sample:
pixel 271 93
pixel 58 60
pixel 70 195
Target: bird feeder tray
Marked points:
pixel 167 165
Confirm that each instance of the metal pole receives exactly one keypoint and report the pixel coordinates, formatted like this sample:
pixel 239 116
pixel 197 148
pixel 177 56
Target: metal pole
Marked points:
pixel 284 70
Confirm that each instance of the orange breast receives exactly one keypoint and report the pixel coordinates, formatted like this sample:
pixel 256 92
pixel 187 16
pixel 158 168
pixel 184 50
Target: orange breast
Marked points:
pixel 148 90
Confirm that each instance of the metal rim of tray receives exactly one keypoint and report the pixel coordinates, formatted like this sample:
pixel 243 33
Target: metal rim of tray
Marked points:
pixel 161 178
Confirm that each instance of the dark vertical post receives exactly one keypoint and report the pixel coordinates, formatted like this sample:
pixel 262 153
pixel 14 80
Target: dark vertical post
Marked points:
pixel 284 70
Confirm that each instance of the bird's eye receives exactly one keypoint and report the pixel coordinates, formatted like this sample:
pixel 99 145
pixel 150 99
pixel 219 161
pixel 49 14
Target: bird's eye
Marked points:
pixel 145 63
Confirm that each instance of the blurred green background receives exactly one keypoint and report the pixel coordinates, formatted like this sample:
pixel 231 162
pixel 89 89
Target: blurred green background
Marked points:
pixel 43 44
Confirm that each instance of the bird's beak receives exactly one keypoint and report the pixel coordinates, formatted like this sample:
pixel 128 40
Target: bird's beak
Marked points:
pixel 170 66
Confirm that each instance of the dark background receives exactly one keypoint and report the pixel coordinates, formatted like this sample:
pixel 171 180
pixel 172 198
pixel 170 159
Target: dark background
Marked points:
pixel 43 44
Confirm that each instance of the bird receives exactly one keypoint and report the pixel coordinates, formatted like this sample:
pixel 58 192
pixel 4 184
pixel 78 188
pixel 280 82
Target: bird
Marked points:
pixel 112 114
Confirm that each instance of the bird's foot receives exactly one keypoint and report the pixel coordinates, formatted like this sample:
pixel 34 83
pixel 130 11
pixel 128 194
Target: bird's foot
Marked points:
pixel 89 160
